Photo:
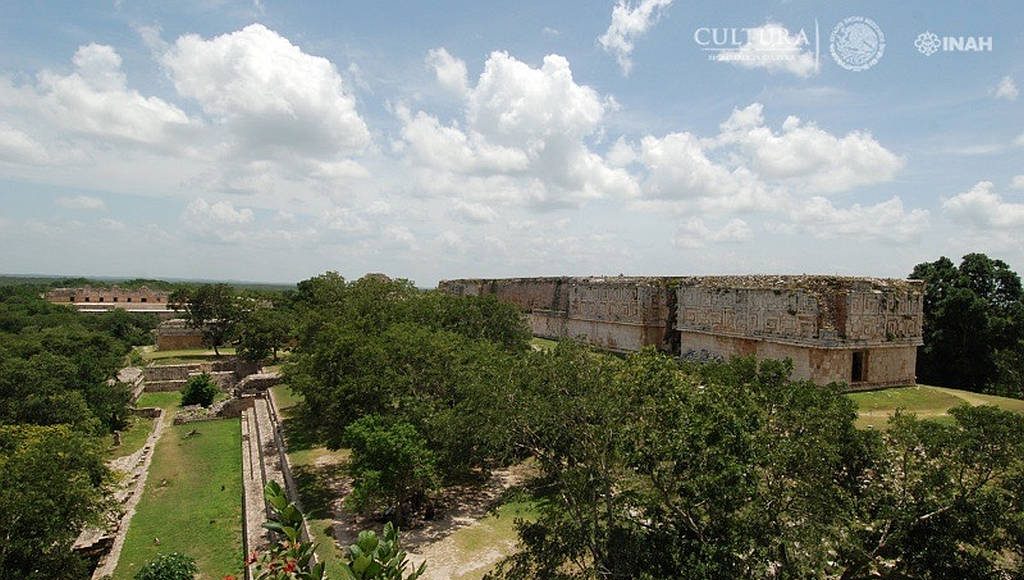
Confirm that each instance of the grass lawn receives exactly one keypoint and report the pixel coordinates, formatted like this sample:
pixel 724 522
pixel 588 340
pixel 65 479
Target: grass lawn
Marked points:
pixel 875 407
pixel 192 501
pixel 312 466
pixel 167 400
pixel 166 357
pixel 542 343
pixel 133 437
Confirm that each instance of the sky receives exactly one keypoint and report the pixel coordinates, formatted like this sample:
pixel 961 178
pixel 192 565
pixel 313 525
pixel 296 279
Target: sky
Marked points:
pixel 272 141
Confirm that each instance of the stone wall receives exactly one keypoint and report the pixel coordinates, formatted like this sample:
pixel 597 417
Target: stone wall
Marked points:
pixel 811 310
pixel 227 408
pixel 884 365
pixel 226 373
pixel 819 322
pixel 618 313
pixel 88 299
pixel 528 293
pixel 257 383
pixel 175 334
pixel 114 294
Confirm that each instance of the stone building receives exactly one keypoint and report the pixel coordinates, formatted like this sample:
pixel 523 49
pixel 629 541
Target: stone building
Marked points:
pixel 90 299
pixel 861 331
pixel 176 334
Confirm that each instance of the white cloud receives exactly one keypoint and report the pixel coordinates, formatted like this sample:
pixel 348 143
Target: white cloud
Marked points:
pixel 773 48
pixel 1006 89
pixel 887 220
pixel 473 212
pixel 218 221
pixel 678 168
pixel 452 240
pixel 513 145
pixel 83 202
pixel 453 149
pixel 806 157
pixel 450 71
pixel 18 147
pixel 94 100
pixel 748 166
pixel 1017 182
pixel 345 220
pixel 630 22
pixel 400 235
pixel 270 94
pixel 113 225
pixel 981 208
pixel 694 233
pixel 272 122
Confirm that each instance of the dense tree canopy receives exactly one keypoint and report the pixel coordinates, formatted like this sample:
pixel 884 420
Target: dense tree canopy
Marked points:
pixel 973 327
pixel 649 467
pixel 52 482
pixel 389 369
pixel 57 398
pixel 262 332
pixel 738 472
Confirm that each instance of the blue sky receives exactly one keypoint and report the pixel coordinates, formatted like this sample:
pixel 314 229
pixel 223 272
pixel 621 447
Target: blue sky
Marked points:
pixel 273 141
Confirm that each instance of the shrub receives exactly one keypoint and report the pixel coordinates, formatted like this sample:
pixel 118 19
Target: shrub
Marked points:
pixel 289 557
pixel 392 468
pixel 199 390
pixel 172 566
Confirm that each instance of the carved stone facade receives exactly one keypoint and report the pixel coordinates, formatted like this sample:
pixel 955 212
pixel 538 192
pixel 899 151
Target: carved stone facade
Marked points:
pixel 862 331
pixel 90 299
pixel 176 334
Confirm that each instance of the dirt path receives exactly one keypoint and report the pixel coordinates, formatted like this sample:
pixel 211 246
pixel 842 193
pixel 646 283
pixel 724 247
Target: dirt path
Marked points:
pixel 136 470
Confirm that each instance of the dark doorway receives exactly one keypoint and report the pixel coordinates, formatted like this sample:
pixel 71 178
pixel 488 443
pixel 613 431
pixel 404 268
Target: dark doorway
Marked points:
pixel 859 368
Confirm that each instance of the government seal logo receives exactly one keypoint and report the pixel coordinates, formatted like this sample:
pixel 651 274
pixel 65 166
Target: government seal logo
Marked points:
pixel 857 43
pixel 927 43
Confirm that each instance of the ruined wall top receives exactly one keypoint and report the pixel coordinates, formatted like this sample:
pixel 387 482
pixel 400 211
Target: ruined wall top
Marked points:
pixel 813 310
pixel 111 294
pixel 763 281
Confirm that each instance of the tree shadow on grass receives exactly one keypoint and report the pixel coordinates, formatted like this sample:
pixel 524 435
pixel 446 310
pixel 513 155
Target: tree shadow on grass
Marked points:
pixel 319 488
pixel 300 433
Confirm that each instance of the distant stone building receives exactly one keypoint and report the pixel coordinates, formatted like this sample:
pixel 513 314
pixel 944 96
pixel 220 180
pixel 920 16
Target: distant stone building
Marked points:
pixel 90 299
pixel 862 331
pixel 176 334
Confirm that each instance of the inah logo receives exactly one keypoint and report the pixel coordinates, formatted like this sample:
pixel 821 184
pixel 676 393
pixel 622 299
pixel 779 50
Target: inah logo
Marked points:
pixel 857 43
pixel 927 43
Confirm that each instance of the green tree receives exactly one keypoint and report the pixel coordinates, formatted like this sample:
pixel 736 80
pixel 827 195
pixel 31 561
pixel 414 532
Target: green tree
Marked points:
pixel 171 566
pixel 62 375
pixel 973 325
pixel 440 382
pixel 52 483
pixel 392 469
pixel 734 470
pixel 261 333
pixel 214 309
pixel 131 328
pixel 199 390
pixel 940 500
